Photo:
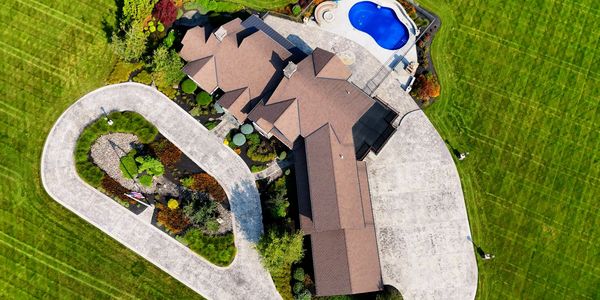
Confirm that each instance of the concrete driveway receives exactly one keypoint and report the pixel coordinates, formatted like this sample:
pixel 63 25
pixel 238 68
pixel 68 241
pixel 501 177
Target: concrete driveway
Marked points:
pixel 420 215
pixel 245 278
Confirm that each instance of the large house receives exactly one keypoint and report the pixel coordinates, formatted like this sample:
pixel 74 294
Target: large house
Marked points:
pixel 307 103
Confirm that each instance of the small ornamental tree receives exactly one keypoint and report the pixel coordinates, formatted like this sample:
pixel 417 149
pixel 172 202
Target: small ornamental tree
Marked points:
pixel 203 99
pixel 166 12
pixel 173 219
pixel 426 87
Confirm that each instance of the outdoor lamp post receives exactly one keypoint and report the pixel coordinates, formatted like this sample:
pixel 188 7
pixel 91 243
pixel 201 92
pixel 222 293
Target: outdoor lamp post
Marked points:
pixel 108 120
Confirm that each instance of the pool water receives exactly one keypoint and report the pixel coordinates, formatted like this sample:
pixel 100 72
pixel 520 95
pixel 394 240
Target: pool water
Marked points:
pixel 380 22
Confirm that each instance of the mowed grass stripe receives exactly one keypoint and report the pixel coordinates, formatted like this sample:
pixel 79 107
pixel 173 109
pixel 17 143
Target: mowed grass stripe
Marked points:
pixel 31 60
pixel 60 16
pixel 61 267
pixel 536 55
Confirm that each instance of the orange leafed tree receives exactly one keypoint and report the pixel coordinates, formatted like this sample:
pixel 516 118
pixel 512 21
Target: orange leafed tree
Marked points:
pixel 426 87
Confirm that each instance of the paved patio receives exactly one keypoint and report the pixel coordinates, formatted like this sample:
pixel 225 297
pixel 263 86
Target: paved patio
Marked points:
pixel 245 278
pixel 420 215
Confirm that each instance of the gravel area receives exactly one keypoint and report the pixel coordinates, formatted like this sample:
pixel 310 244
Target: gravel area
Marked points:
pixel 224 218
pixel 107 151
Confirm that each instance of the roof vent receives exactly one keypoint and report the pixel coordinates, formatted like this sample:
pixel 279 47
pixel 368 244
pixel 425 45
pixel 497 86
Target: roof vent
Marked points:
pixel 290 69
pixel 221 33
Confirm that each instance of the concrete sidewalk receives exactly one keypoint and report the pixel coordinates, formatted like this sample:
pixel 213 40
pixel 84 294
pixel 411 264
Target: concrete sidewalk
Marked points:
pixel 245 278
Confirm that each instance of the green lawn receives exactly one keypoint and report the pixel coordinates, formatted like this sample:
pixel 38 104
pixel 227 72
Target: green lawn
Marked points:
pixel 53 52
pixel 521 93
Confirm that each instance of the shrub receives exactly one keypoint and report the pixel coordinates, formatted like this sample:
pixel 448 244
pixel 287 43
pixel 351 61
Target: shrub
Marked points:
pixel 296 10
pixel 131 46
pixel 257 168
pixel 121 72
pixel 299 274
pixel 128 165
pixel 298 288
pixel 143 77
pixel 150 165
pixel 89 172
pixel 207 184
pixel 203 99
pixel 239 139
pixel 220 250
pixel 212 225
pixel 278 204
pixel 165 11
pixel 169 39
pixel 262 152
pixel 304 295
pixel 201 212
pixel 167 65
pixel 188 86
pixel 282 155
pixel 247 129
pixel 253 139
pixel 211 124
pixel 188 182
pixel 173 204
pixel 166 152
pixel 114 188
pixel 146 180
pixel 173 219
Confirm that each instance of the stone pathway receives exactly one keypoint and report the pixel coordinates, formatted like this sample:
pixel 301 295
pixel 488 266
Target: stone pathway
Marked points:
pixel 228 122
pixel 274 170
pixel 245 278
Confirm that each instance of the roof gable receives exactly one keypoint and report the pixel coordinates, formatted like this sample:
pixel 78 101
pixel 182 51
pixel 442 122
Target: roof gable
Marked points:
pixel 203 71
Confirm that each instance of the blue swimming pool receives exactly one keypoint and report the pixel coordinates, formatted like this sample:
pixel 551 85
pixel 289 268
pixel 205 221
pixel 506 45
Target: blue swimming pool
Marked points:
pixel 380 22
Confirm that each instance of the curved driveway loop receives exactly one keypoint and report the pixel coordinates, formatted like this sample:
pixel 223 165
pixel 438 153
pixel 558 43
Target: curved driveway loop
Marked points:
pixel 245 278
pixel 420 215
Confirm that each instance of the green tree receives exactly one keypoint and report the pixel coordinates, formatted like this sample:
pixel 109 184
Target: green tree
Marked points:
pixel 279 250
pixel 135 11
pixel 167 66
pixel 131 46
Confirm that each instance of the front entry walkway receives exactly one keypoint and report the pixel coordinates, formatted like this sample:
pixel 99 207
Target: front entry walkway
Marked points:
pixel 245 278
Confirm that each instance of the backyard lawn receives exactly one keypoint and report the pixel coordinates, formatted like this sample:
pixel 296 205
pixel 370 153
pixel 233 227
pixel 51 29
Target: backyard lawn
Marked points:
pixel 53 52
pixel 521 93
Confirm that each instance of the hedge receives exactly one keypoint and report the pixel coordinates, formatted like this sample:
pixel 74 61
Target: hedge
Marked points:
pixel 125 122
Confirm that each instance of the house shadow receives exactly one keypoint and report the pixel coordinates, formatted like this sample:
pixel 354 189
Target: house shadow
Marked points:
pixel 246 209
pixel 300 43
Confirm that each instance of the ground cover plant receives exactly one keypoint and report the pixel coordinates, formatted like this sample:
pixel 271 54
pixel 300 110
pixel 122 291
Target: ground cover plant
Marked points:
pixel 57 51
pixel 521 94
pixel 219 250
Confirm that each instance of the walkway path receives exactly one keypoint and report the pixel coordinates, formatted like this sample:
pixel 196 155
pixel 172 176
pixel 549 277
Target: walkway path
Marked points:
pixel 274 170
pixel 420 215
pixel 245 278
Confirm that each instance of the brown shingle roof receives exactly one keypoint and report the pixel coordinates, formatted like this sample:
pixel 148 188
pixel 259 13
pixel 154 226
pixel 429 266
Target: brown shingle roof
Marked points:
pixel 203 72
pixel 243 59
pixel 318 104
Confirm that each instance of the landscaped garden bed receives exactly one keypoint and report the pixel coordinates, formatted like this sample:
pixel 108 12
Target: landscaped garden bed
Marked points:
pixel 124 156
pixel 255 149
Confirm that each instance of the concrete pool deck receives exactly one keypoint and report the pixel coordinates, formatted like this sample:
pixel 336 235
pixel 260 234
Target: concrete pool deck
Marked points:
pixel 340 25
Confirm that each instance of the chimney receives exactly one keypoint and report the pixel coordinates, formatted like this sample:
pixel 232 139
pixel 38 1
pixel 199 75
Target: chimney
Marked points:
pixel 290 69
pixel 221 33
